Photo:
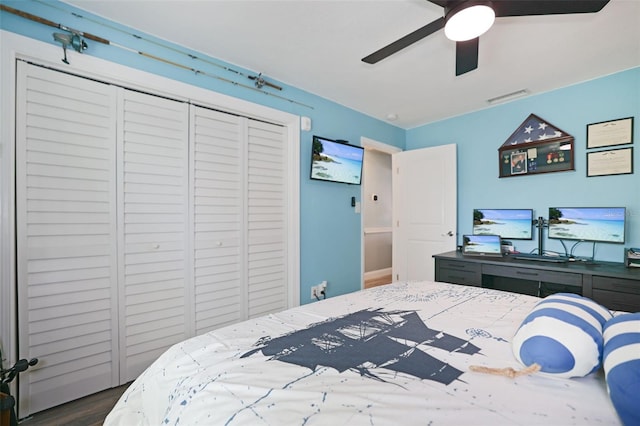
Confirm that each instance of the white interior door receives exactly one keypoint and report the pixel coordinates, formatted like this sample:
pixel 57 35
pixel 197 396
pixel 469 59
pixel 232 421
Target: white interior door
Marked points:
pixel 424 209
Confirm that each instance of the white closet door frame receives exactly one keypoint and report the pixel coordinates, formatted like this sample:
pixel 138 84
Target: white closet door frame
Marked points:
pixel 14 46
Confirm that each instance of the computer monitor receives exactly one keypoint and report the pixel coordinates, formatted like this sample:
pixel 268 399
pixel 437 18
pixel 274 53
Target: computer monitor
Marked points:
pixel 597 224
pixel 512 224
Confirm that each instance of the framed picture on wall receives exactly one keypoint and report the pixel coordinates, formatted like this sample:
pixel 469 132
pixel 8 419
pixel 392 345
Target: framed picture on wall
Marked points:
pixel 518 163
pixel 610 133
pixel 610 162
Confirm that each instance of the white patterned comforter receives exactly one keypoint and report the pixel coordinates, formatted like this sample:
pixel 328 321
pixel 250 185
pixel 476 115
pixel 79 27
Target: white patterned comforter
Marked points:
pixel 396 354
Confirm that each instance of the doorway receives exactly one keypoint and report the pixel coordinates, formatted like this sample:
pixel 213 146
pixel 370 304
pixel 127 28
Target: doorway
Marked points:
pixel 377 207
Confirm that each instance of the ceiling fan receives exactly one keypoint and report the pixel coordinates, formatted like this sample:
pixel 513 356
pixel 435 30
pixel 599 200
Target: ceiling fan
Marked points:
pixel 465 20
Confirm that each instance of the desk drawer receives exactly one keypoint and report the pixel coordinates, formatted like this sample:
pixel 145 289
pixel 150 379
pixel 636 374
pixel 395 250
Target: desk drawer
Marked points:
pixel 458 265
pixel 566 278
pixel 620 285
pixel 451 271
pixel 617 301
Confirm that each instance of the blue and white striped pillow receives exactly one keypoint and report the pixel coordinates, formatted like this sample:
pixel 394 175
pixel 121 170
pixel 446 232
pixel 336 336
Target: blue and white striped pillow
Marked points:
pixel 563 335
pixel 621 360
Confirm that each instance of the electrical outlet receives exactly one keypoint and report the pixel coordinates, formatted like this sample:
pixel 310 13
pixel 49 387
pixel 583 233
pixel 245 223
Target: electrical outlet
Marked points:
pixel 322 288
pixel 317 290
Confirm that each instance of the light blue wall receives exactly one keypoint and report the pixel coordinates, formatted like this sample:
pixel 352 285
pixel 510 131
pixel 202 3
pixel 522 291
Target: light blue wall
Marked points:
pixel 330 230
pixel 480 134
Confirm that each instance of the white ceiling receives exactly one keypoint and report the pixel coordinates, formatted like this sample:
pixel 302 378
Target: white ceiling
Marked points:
pixel 317 46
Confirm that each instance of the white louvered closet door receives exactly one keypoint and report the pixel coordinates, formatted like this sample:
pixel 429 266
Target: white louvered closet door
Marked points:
pixel 153 227
pixel 66 235
pixel 218 217
pixel 141 221
pixel 266 218
pixel 240 218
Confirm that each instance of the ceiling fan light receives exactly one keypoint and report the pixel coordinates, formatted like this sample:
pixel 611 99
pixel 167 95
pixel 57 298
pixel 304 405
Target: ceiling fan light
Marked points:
pixel 469 20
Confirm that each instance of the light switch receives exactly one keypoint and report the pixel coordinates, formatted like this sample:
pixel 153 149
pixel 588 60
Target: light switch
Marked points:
pixel 305 124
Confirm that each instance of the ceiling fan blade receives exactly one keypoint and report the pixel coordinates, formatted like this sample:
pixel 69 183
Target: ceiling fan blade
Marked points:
pixel 405 41
pixel 546 7
pixel 466 56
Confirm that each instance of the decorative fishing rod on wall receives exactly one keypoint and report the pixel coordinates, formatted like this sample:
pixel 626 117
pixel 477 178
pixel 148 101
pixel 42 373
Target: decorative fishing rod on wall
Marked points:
pixel 75 39
pixel 260 82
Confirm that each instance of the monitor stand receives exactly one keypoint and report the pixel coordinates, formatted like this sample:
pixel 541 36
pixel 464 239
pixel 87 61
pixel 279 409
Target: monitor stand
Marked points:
pixel 540 223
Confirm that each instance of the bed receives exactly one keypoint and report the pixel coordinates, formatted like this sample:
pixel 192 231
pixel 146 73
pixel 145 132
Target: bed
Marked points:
pixel 395 354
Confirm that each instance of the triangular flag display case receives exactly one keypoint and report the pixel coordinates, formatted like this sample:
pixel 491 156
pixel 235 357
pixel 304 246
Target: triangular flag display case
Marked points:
pixel 536 147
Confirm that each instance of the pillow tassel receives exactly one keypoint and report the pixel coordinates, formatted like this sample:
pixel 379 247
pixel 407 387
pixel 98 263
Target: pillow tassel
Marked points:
pixel 507 372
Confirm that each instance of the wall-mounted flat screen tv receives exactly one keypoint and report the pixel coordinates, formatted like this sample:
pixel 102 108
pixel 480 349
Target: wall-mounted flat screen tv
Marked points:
pixel 512 224
pixel 335 161
pixel 598 224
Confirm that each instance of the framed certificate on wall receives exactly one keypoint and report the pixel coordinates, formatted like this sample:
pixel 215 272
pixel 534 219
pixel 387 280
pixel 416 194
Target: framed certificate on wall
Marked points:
pixel 610 162
pixel 610 133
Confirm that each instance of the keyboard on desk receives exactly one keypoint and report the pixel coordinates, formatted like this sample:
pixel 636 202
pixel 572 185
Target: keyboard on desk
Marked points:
pixel 530 256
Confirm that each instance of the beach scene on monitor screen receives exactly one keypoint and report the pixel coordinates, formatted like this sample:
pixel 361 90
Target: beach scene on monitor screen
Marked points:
pixel 506 223
pixel 593 224
pixel 336 162
pixel 481 244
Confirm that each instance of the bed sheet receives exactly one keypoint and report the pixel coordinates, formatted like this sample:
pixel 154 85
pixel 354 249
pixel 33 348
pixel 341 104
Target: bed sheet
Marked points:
pixel 394 354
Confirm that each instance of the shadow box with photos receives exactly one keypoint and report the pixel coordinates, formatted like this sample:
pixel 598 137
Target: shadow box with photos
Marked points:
pixel 536 147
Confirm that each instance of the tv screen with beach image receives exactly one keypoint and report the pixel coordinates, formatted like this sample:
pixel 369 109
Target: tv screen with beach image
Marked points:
pixel 515 224
pixel 336 162
pixel 598 224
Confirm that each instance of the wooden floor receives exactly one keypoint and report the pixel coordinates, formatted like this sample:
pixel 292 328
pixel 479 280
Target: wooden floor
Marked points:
pixel 374 282
pixel 88 411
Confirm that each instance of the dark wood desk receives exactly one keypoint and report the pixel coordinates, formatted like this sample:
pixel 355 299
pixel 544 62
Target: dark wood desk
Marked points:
pixel 612 284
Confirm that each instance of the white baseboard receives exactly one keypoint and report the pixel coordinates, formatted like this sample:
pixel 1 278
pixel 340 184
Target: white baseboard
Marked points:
pixel 377 274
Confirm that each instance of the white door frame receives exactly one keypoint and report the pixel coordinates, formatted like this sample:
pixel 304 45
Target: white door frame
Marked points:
pixel 387 149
